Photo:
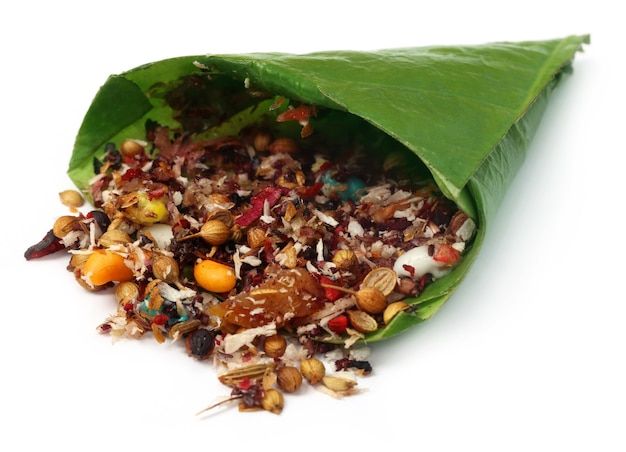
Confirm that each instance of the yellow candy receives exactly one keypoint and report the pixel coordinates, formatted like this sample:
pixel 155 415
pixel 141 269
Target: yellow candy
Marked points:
pixel 104 266
pixel 147 211
pixel 214 277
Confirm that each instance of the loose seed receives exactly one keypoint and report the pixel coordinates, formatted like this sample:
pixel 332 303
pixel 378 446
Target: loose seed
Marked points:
pixel 131 148
pixel 64 225
pixel 338 384
pixel 381 278
pixel 71 198
pixel 289 379
pixel 261 141
pixel 256 238
pixel 254 372
pixel 126 291
pixel 166 269
pixel 273 401
pixel 344 259
pixel 393 310
pixel 275 346
pixel 114 237
pixel 313 370
pixel 283 146
pixel 362 322
pixel 371 300
pixel 214 232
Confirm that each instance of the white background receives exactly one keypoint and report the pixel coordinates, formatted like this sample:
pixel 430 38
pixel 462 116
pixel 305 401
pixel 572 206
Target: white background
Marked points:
pixel 528 355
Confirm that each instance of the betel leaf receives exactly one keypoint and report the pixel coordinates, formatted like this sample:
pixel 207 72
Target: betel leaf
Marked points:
pixel 467 112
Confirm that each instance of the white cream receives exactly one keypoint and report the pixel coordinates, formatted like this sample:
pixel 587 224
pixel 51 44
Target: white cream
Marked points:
pixel 419 259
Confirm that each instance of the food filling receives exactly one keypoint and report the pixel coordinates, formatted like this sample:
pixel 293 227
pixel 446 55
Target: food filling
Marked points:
pixel 268 236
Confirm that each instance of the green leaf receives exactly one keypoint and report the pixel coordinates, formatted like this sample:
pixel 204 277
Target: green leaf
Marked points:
pixel 468 114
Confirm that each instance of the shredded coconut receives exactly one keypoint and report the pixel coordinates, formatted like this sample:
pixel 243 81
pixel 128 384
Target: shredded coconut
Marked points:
pixel 233 342
pixel 326 218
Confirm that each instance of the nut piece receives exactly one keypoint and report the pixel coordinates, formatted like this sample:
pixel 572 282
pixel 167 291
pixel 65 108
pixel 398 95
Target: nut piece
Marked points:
pixel 126 291
pixel 344 259
pixel 130 148
pixel 114 237
pixel 273 401
pixel 283 146
pixel 382 278
pixel 371 300
pixel 289 379
pixel 338 384
pixel 275 346
pixel 313 370
pixel 64 225
pixel 362 322
pixel 214 232
pixel 166 269
pixel 394 309
pixel 71 198
pixel 256 238
pixel 262 140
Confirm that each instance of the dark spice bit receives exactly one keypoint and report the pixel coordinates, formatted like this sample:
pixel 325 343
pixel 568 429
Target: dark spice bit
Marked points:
pixel 104 328
pixel 346 363
pixel 48 245
pixel 442 212
pixel 101 219
pixel 251 394
pixel 201 343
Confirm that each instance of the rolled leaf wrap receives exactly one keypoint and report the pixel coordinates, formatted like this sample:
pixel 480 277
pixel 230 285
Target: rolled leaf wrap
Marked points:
pixel 468 113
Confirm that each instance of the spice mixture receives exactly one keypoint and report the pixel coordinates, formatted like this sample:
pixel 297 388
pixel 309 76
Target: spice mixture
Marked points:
pixel 266 254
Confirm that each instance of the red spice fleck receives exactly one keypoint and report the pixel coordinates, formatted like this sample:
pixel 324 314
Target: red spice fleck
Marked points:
pixel 157 193
pixel 160 319
pixel 184 223
pixel 325 166
pixel 301 113
pixel 446 255
pixel 339 324
pixel 410 269
pixel 268 251
pixel 245 384
pixel 310 192
pixel 330 293
pixel 271 194
pixel 132 173
pixel 423 281
pixel 105 328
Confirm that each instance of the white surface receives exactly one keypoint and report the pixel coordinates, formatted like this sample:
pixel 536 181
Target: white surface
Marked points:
pixel 528 355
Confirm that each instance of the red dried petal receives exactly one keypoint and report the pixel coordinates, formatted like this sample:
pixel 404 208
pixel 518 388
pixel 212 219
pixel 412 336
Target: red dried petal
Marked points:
pixel 446 255
pixel 271 194
pixel 48 245
pixel 132 173
pixel 339 324
pixel 330 293
pixel 410 269
pixel 310 192
pixel 157 193
pixel 301 113
pixel 160 319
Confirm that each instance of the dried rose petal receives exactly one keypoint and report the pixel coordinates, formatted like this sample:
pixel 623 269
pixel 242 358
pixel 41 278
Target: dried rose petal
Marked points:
pixel 48 245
